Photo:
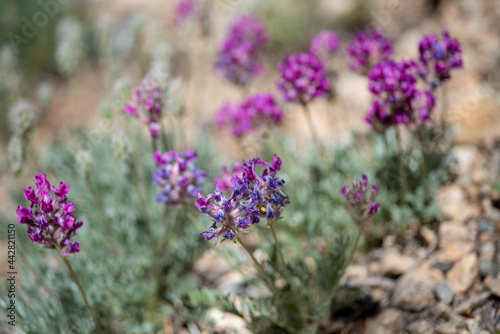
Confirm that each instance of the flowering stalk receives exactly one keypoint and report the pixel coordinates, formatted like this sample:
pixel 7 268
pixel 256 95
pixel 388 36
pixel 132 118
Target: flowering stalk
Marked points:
pixel 51 223
pixel 310 123
pixel 77 282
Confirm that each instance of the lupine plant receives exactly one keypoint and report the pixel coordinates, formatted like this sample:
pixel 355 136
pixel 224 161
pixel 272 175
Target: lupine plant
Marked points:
pixel 368 49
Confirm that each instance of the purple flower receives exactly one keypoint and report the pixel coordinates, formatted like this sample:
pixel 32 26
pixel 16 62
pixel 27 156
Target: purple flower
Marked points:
pixel 368 49
pixel 360 198
pixel 183 10
pixel 253 197
pixel 237 61
pixel 224 181
pixel 438 57
pixel 177 176
pixel 396 98
pixel 256 112
pixel 147 105
pixel 49 217
pixel 302 78
pixel 324 44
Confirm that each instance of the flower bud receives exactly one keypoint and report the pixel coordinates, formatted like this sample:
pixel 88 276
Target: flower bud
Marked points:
pixel 22 118
pixel 17 155
pixel 84 162
pixel 121 145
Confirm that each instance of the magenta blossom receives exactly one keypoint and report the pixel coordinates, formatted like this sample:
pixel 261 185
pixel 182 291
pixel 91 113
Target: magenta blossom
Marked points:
pixel 177 175
pixel 438 57
pixel 303 78
pixel 49 217
pixel 183 10
pixel 359 198
pixel 256 112
pixel 237 61
pixel 325 44
pixel 253 197
pixel 367 50
pixel 147 105
pixel 224 182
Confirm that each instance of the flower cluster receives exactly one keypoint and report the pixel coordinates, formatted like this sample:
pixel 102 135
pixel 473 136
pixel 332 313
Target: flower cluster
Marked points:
pixel 438 57
pixel 253 197
pixel 255 112
pixel 179 178
pixel 49 217
pixel 224 181
pixel 368 49
pixel 183 10
pixel 396 98
pixel 324 44
pixel 302 78
pixel 148 105
pixel 237 60
pixel 358 197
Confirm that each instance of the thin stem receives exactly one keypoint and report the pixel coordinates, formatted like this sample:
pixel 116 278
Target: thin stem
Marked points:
pixel 280 254
pixel 77 282
pixel 288 275
pixel 257 264
pixel 310 123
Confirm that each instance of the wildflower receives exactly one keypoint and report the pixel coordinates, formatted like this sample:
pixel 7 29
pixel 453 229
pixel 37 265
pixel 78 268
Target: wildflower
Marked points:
pixel 177 176
pixel 439 57
pixel 224 181
pixel 121 145
pixel 324 44
pixel 70 48
pixel 359 198
pixel 368 49
pixel 183 10
pixel 49 217
pixel 16 152
pixel 396 97
pixel 147 105
pixel 84 162
pixel 255 112
pixel 302 78
pixel 237 61
pixel 253 197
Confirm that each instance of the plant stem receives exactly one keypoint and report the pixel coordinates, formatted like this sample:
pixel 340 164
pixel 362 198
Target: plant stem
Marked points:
pixel 257 264
pixel 288 274
pixel 310 123
pixel 77 282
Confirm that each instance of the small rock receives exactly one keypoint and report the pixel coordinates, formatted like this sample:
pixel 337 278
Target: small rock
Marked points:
pixel 414 291
pixel 451 232
pixel 455 251
pixel 487 250
pixel 419 327
pixel 463 273
pixel 394 263
pixel 473 326
pixel 486 226
pixel 493 285
pixel 488 267
pixel 443 266
pixel 452 201
pixel 428 234
pixel 466 156
pixel 389 321
pixel 444 292
pixel 442 310
pixel 446 328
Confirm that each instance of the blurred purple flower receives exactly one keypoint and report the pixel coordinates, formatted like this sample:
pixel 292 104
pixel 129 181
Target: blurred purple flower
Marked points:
pixel 438 57
pixel 368 49
pixel 302 78
pixel 147 105
pixel 183 10
pixel 237 61
pixel 49 217
pixel 224 181
pixel 256 112
pixel 253 197
pixel 180 180
pixel 324 44
pixel 359 197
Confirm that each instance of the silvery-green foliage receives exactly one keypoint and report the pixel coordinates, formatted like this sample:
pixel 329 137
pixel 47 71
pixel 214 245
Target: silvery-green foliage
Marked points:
pixel 70 48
